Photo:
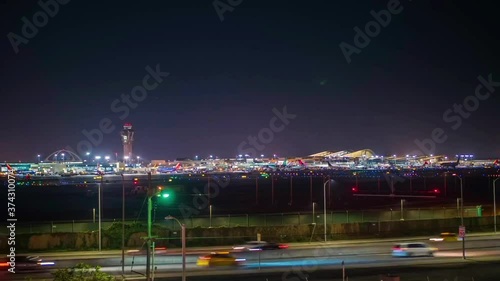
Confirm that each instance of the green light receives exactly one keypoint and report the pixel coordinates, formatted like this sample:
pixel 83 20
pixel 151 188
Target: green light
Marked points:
pixel 165 195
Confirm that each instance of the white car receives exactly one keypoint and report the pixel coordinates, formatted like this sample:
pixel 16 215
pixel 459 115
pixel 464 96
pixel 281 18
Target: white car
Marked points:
pixel 412 250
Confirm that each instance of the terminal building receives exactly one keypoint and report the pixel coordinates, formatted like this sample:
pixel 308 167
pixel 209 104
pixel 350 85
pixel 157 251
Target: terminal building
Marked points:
pixel 65 162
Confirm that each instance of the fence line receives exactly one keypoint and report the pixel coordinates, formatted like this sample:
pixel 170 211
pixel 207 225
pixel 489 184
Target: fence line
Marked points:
pixel 255 220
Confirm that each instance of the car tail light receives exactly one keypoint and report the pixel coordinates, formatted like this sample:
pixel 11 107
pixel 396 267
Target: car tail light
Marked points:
pixel 396 248
pixel 283 246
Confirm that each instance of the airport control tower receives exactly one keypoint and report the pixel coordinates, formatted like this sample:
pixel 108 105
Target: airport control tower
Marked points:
pixel 127 140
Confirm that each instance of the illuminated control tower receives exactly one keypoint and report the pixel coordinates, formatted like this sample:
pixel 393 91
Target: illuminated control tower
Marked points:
pixel 127 140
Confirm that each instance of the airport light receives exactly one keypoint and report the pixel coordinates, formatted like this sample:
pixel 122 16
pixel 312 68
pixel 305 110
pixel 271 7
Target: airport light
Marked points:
pixel 62 154
pixel 38 156
pixel 183 237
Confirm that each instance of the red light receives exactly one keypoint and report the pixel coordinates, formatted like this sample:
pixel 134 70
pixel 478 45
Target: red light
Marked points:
pixel 283 246
pixel 354 189
pixel 436 190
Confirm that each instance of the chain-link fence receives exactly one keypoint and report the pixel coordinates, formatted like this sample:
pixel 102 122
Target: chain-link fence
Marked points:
pixel 337 217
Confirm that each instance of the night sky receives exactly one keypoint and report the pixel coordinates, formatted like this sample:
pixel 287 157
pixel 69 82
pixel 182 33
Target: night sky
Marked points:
pixel 225 77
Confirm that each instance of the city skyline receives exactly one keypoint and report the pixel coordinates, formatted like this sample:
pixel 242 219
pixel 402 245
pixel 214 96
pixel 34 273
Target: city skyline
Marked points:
pixel 197 81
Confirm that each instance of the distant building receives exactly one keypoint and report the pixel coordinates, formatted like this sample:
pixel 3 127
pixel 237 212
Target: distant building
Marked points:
pixel 127 135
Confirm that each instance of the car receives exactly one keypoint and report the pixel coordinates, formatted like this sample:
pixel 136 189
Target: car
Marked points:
pixel 141 252
pixel 219 259
pixel 26 263
pixel 412 250
pixel 260 246
pixel 446 237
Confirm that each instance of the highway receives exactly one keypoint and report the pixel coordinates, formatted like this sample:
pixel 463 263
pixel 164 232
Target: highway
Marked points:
pixel 299 260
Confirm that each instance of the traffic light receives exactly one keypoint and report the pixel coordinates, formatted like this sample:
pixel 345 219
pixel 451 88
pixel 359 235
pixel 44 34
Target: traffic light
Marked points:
pixel 436 191
pixel 354 189
pixel 136 181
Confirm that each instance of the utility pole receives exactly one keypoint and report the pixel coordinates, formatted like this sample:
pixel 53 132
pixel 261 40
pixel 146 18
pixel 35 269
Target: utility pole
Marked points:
pixel 148 247
pixel 123 225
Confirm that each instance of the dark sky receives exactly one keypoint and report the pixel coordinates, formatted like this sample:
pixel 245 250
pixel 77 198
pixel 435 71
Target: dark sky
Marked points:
pixel 227 76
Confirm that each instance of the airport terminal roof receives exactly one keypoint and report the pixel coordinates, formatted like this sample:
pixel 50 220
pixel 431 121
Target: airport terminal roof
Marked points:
pixel 345 153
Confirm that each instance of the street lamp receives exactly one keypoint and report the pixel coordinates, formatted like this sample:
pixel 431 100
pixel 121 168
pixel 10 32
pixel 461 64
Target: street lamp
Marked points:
pixel 461 212
pixel 123 225
pixel 38 156
pixel 402 210
pixel 99 200
pixel 461 199
pixel 183 237
pixel 62 154
pixel 494 205
pixel 324 206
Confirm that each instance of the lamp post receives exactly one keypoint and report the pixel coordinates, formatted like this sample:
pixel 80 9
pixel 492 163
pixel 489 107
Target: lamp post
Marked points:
pixel 123 225
pixel 314 213
pixel 494 205
pixel 461 199
pixel 38 156
pixel 402 210
pixel 183 237
pixel 99 208
pixel 461 212
pixel 324 207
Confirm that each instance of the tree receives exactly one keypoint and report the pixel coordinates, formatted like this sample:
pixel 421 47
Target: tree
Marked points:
pixel 82 272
